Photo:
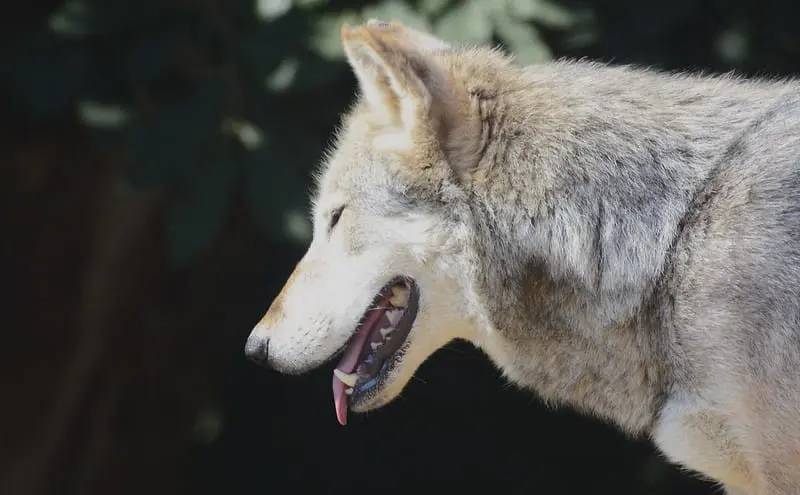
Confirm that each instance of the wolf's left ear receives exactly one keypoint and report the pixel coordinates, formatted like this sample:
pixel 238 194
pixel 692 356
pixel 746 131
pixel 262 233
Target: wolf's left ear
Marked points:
pixel 391 65
pixel 399 75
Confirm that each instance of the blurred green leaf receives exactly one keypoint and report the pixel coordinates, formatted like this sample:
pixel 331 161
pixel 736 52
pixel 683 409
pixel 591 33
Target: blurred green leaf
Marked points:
pixel 552 15
pixel 325 40
pixel 283 76
pixel 208 426
pixel 466 22
pixel 73 19
pixel 268 55
pixel 272 9
pixel 546 12
pixel 306 4
pixel 198 212
pixel 433 7
pixel 79 18
pixel 732 45
pixel 396 10
pixel 247 133
pixel 96 114
pixel 523 41
pixel 166 145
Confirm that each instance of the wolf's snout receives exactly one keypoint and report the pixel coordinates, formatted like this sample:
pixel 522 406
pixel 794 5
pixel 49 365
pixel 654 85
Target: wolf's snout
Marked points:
pixel 257 350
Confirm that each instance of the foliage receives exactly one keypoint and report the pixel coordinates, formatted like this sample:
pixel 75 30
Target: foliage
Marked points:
pixel 209 98
pixel 203 98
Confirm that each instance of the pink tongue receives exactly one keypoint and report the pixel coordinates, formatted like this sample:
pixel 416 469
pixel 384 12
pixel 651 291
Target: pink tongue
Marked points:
pixel 340 401
pixel 348 365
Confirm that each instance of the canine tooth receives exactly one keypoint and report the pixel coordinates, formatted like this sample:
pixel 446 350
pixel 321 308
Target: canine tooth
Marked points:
pixel 349 391
pixel 399 297
pixel 374 345
pixel 394 316
pixel 348 379
pixel 386 331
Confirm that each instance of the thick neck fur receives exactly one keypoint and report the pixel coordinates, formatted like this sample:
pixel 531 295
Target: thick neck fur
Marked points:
pixel 584 176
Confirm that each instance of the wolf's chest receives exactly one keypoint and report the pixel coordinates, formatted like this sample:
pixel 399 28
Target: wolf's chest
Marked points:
pixel 697 437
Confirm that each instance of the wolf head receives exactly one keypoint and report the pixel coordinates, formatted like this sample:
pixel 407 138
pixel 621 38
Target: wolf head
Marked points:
pixel 385 280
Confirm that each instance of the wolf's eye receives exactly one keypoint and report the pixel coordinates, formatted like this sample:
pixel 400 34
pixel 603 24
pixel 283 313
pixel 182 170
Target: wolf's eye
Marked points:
pixel 335 216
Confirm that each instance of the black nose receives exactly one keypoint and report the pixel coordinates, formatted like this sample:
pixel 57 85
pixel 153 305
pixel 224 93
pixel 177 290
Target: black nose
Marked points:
pixel 257 349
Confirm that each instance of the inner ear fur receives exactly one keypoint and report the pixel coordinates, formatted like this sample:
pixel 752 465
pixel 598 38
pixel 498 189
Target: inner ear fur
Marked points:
pixel 400 75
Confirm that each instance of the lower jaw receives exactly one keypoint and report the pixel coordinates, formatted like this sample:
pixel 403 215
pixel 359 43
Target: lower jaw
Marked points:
pixel 372 400
pixel 372 394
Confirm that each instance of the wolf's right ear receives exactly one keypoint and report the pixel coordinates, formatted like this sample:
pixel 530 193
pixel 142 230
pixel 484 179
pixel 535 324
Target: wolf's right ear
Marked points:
pixel 399 76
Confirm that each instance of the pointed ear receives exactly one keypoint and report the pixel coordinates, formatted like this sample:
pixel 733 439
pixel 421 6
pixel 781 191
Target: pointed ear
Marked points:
pixel 392 65
pixel 400 76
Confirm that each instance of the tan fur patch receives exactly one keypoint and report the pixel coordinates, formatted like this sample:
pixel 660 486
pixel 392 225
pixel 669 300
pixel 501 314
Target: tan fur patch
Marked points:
pixel 275 311
pixel 728 464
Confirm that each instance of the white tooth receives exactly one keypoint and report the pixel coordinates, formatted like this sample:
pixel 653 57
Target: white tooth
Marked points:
pixel 348 379
pixel 386 331
pixel 394 316
pixel 348 391
pixel 399 297
pixel 374 345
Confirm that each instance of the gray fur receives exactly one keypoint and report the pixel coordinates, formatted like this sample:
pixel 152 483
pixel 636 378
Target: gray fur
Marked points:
pixel 628 241
pixel 651 228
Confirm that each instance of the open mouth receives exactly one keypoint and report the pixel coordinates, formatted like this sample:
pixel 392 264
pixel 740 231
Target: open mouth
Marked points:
pixel 377 345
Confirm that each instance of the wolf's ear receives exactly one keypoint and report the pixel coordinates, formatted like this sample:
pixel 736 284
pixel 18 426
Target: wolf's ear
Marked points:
pixel 390 64
pixel 399 75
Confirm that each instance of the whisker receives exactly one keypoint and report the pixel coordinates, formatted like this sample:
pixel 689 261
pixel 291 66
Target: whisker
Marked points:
pixel 386 308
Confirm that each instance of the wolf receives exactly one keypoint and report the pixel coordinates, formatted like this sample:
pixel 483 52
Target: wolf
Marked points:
pixel 617 239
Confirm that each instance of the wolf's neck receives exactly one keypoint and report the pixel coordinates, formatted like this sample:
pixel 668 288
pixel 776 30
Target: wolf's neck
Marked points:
pixel 615 380
pixel 586 175
pixel 590 169
pixel 587 171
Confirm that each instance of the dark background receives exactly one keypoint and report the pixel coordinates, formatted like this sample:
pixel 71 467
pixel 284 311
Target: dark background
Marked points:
pixel 154 161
